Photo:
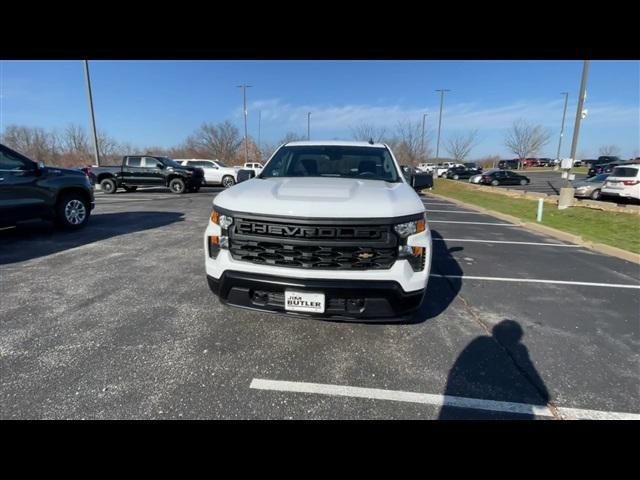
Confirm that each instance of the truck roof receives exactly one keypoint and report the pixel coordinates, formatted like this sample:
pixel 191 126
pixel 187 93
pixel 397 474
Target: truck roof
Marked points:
pixel 338 143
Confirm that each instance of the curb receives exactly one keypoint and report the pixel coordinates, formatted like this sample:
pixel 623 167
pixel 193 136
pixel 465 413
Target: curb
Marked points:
pixel 552 232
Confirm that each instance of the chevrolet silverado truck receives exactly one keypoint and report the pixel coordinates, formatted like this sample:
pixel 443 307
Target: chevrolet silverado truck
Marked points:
pixel 329 229
pixel 149 171
pixel 30 190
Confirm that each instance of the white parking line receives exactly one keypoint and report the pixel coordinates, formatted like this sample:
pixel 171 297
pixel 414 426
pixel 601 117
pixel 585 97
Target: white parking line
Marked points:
pixel 533 280
pixel 433 399
pixel 474 223
pixel 504 241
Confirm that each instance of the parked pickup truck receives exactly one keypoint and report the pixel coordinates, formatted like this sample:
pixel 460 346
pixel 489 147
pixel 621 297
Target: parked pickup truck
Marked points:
pixel 330 229
pixel 149 171
pixel 30 190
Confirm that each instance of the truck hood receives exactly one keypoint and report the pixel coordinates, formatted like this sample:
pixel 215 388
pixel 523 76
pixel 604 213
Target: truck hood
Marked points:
pixel 321 197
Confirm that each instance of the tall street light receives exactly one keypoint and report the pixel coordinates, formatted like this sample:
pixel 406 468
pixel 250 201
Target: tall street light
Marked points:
pixel 93 118
pixel 442 92
pixel 424 116
pixel 308 125
pixel 259 127
pixel 246 138
pixel 564 114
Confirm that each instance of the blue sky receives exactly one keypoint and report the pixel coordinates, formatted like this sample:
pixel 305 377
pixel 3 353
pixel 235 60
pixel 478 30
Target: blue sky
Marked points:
pixel 161 102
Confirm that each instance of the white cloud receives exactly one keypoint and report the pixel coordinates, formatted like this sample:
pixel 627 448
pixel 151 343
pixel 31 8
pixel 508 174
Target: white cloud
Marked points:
pixel 336 118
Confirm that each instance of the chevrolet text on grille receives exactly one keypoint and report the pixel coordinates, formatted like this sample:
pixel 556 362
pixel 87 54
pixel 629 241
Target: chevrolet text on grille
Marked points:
pixel 309 232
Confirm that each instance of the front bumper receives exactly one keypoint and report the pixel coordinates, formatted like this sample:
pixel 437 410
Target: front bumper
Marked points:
pixel 380 300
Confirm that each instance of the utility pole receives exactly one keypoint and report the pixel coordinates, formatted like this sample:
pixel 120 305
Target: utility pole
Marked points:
pixel 442 92
pixel 93 118
pixel 576 128
pixel 259 126
pixel 246 137
pixel 422 138
pixel 566 192
pixel 564 114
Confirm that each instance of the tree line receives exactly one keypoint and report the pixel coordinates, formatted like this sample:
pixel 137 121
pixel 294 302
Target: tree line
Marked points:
pixel 73 145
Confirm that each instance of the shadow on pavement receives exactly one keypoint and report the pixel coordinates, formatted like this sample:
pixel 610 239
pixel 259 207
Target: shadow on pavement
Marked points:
pixel 480 371
pixel 38 239
pixel 441 292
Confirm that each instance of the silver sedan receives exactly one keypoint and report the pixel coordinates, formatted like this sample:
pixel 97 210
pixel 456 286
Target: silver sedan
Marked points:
pixel 590 188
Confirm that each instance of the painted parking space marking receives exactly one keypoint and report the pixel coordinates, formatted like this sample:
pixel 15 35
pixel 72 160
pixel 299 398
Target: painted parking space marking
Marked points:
pixel 434 399
pixel 473 240
pixel 534 280
pixel 475 223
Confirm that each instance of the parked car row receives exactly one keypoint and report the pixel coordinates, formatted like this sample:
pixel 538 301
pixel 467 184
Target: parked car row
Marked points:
pixel 622 181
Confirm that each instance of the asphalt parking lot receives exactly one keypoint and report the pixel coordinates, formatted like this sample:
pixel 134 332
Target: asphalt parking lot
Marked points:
pixel 543 182
pixel 117 321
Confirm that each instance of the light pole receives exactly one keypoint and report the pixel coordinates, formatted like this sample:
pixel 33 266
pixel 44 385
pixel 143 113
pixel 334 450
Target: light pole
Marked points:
pixel 308 125
pixel 564 114
pixel 442 92
pixel 424 115
pixel 246 138
pixel 566 192
pixel 583 87
pixel 259 126
pixel 93 118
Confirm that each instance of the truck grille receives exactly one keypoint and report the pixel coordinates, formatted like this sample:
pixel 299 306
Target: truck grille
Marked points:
pixel 300 245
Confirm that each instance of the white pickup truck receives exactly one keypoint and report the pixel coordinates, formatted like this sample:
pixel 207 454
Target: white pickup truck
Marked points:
pixel 215 172
pixel 330 229
pixel 440 169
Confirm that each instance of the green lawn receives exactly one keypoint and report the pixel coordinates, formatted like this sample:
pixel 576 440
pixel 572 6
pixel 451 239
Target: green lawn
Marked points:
pixel 620 230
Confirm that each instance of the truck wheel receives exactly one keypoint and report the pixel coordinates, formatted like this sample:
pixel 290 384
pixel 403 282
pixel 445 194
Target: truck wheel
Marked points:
pixel 228 181
pixel 595 195
pixel 108 185
pixel 177 185
pixel 495 183
pixel 130 189
pixel 72 211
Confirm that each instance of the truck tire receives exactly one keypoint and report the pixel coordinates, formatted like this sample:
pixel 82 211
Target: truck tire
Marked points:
pixel 72 211
pixel 177 185
pixel 130 189
pixel 108 185
pixel 228 181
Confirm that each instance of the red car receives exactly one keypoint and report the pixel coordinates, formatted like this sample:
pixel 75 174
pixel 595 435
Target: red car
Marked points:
pixel 530 162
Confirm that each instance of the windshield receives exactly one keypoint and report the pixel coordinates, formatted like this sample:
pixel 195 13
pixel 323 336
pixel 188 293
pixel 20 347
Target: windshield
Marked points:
pixel 366 163
pixel 169 161
pixel 598 178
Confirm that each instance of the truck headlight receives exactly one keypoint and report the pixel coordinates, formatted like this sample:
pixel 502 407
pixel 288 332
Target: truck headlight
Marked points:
pixel 225 221
pixel 410 228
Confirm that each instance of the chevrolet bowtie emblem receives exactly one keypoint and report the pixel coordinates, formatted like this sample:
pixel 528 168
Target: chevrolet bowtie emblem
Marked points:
pixel 365 255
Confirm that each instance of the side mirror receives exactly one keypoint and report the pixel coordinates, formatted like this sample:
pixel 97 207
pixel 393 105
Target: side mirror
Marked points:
pixel 422 180
pixel 40 166
pixel 245 175
pixel 160 165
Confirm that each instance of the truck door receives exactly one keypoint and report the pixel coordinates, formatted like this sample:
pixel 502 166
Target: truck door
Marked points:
pixel 21 197
pixel 132 171
pixel 154 173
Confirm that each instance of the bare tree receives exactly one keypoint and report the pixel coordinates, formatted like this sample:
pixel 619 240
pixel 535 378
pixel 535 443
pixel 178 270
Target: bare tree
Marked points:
pixel 366 131
pixel 609 150
pixel 220 141
pixel 459 146
pixel 34 142
pixel 292 137
pixel 407 143
pixel 526 140
pixel 490 161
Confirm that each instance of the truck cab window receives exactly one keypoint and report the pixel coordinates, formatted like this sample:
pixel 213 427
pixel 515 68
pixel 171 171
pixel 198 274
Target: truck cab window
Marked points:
pixel 134 161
